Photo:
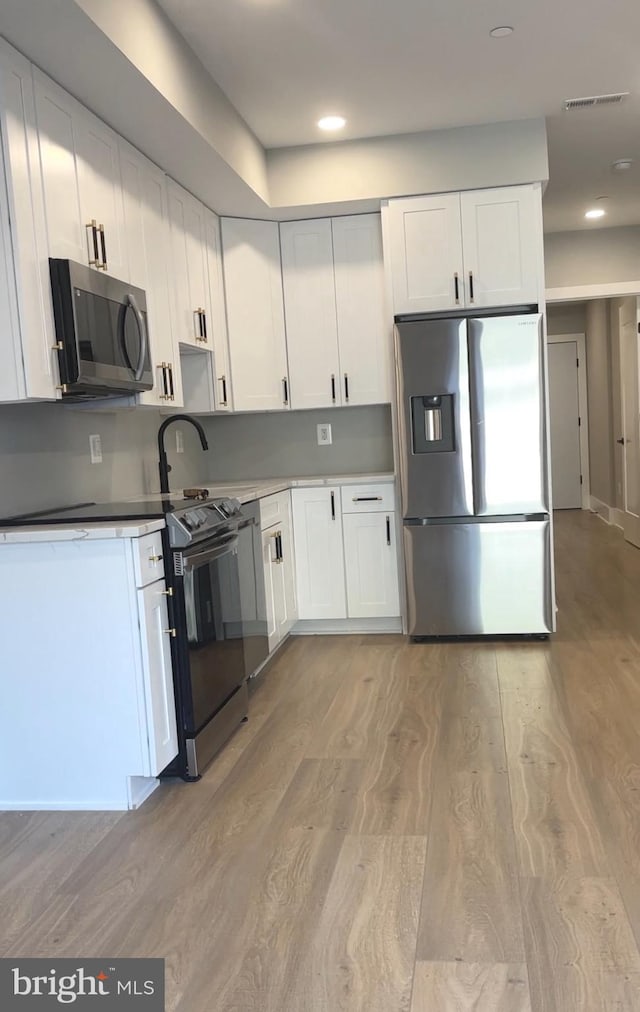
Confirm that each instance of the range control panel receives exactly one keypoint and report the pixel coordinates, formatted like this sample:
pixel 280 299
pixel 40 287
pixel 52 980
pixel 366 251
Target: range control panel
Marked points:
pixel 194 523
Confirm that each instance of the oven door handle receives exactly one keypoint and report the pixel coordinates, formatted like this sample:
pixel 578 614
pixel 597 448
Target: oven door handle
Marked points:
pixel 222 547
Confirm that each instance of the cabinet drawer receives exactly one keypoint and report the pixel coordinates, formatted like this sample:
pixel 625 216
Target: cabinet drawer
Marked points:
pixel 274 509
pixel 147 558
pixel 367 498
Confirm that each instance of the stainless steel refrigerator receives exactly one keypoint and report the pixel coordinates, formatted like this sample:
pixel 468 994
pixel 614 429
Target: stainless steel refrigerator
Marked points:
pixel 473 475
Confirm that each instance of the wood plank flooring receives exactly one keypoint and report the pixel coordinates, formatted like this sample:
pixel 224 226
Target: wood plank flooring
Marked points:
pixel 398 828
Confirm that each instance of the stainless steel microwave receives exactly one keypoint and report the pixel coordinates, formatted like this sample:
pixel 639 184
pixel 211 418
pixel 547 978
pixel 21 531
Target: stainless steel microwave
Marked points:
pixel 101 333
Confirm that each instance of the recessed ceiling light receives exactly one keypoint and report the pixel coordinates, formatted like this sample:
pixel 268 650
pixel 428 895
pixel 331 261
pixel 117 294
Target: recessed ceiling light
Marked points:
pixel 622 164
pixel 501 31
pixel 331 122
pixel 596 212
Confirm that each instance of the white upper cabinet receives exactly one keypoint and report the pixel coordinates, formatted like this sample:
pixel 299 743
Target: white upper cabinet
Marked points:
pixel 425 239
pixel 462 250
pixel 364 334
pixel 310 312
pixel 192 311
pixel 502 231
pixel 337 341
pixel 255 315
pixel 146 230
pixel 222 387
pixel 81 181
pixel 27 366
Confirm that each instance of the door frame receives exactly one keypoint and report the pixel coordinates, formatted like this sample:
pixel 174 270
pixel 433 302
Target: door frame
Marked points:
pixel 629 522
pixel 583 410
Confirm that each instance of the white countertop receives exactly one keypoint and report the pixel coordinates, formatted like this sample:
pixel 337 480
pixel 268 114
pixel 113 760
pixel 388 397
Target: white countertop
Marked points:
pixel 99 531
pixel 246 491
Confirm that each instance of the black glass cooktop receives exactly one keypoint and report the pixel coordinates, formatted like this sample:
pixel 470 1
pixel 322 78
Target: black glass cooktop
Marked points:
pixel 95 512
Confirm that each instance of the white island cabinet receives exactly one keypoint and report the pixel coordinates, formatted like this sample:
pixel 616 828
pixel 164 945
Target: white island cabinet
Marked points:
pixel 88 716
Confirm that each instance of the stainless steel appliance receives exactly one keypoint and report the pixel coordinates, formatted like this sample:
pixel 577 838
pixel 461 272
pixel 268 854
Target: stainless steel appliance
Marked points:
pixel 216 604
pixel 101 333
pixel 473 475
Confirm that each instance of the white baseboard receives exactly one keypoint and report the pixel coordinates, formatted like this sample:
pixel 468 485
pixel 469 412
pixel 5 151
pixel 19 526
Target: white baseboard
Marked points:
pixel 617 518
pixel 346 626
pixel 140 788
pixel 610 514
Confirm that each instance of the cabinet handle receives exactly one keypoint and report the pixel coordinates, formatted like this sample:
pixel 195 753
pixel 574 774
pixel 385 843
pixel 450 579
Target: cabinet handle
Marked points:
pixel 388 531
pixel 171 632
pixel 470 286
pixel 333 505
pixel 457 289
pixel 168 592
pixel 171 396
pixel 95 262
pixel 333 388
pixel 223 380
pixel 103 244
pixel 204 326
pixel 155 558
pixel 346 387
pixel 163 373
pixel 198 314
pixel 279 555
pixel 285 384
pixel 366 498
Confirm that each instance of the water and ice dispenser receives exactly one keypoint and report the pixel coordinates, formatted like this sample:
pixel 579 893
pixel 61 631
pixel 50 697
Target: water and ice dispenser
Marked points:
pixel 432 423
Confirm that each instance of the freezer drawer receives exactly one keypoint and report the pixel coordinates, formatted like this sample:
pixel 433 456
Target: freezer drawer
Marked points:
pixel 478 578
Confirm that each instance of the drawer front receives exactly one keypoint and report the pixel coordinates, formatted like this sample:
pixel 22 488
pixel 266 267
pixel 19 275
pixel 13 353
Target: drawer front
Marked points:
pixel 367 498
pixel 148 558
pixel 274 509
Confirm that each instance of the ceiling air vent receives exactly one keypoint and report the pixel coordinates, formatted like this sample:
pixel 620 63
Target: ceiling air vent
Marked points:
pixel 591 100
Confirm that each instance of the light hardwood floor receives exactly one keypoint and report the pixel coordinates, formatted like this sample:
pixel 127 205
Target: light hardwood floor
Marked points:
pixel 415 827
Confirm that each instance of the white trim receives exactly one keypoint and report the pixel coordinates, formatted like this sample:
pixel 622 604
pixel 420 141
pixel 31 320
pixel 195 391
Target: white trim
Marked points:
pixel 617 518
pixel 574 292
pixel 140 788
pixel 583 409
pixel 346 626
pixel 602 509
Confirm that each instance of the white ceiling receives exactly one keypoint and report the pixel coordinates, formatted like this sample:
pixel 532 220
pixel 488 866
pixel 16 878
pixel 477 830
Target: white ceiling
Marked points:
pixel 398 66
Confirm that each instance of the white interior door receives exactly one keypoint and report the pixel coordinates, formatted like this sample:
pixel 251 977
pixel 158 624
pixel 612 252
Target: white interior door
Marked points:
pixel 631 425
pixel 564 414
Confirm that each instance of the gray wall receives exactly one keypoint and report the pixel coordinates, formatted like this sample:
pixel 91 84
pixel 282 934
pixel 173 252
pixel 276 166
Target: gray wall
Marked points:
pixel 600 397
pixel 592 256
pixel 566 318
pixel 44 456
pixel 284 443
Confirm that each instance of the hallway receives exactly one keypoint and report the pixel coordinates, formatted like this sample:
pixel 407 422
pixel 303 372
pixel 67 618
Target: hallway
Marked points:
pixel 415 827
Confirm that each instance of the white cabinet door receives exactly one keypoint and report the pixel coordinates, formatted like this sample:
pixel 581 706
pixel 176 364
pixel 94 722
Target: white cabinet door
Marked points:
pixel 158 677
pixel 319 556
pixel 189 266
pixel 101 191
pixel 371 565
pixel 27 366
pixel 310 313
pixel 57 129
pixel 220 338
pixel 502 238
pixel 146 230
pixel 255 315
pixel 364 334
pixel 269 567
pixel 426 253
pixel 289 611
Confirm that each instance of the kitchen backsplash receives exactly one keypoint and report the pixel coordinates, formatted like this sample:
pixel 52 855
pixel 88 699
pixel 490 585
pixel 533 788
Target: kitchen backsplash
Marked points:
pixel 284 443
pixel 45 460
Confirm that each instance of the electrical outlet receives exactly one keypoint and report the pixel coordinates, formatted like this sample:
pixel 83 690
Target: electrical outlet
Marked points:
pixel 179 441
pixel 95 449
pixel 324 434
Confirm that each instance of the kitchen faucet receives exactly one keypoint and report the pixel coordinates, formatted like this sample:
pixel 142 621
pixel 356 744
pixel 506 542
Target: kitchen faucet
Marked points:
pixel 165 467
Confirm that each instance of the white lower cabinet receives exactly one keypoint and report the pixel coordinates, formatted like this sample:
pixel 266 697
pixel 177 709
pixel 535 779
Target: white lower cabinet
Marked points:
pixel 346 556
pixel 279 569
pixel 97 707
pixel 371 565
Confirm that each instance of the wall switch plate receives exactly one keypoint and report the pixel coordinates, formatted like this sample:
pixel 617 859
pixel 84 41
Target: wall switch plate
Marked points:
pixel 95 449
pixel 324 434
pixel 179 441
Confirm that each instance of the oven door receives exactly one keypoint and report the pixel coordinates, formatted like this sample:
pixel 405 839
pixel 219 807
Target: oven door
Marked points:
pixel 214 635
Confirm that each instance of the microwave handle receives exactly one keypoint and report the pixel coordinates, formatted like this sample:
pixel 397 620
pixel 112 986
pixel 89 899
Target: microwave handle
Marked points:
pixel 142 330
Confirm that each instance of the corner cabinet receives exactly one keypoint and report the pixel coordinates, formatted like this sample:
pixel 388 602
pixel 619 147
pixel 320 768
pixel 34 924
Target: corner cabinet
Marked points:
pixel 255 314
pixel 474 249
pixel 338 340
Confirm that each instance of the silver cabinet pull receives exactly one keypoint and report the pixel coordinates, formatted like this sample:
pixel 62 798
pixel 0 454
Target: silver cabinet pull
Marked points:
pixel 171 632
pixel 94 232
